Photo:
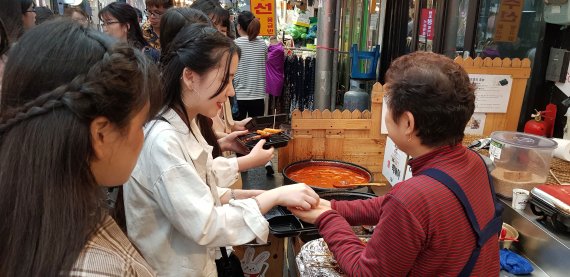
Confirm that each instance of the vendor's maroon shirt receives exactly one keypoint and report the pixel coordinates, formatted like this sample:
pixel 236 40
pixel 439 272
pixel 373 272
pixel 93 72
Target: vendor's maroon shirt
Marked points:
pixel 421 227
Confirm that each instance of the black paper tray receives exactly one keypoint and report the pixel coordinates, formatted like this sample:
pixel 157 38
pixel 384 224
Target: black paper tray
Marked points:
pixel 275 140
pixel 262 122
pixel 284 224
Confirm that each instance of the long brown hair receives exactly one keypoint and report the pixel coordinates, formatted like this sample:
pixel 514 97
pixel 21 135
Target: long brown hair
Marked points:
pixel 200 48
pixel 250 24
pixel 50 204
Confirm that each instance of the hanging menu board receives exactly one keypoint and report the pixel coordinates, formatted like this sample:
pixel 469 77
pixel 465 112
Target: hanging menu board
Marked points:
pixel 492 93
pixel 265 11
pixel 508 20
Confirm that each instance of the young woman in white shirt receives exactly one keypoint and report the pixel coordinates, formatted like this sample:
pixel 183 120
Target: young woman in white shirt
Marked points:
pixel 178 211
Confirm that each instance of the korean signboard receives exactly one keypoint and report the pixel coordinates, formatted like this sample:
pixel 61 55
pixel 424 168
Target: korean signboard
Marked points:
pixel 265 11
pixel 492 93
pixel 508 20
pixel 427 21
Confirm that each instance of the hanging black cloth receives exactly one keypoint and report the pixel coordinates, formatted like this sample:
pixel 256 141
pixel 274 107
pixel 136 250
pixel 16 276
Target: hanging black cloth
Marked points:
pixel 299 84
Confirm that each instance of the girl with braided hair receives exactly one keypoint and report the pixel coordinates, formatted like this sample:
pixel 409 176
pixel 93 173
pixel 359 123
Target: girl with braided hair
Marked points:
pixel 178 207
pixel 60 148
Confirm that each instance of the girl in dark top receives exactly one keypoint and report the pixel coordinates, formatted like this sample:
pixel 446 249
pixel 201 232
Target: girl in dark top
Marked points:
pixel 120 20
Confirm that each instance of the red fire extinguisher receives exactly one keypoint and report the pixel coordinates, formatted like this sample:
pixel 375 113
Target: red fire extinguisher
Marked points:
pixel 536 126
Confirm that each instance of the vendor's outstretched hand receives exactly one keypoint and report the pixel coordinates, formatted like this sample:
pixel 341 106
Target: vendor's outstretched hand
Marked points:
pixel 310 216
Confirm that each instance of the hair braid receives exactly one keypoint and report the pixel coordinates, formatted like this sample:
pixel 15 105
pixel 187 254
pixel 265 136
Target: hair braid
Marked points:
pixel 43 104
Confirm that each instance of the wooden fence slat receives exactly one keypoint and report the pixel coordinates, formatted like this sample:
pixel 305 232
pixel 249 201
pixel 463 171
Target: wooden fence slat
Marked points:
pixel 331 123
pixel 302 148
pixel 478 62
pixel 296 114
pixel 526 63
pixel 366 114
pixel 346 114
pixel 356 114
pixel 497 62
pixel 318 144
pixel 377 89
pixel 326 114
pixel 317 114
pixel 488 62
pixel 306 114
pixel 468 62
pixel 300 132
pixel 459 60
pixel 507 62
pixel 516 73
pixel 516 62
pixel 337 114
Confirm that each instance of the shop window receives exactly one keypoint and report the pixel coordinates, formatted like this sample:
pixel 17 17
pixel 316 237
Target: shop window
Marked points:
pixel 497 34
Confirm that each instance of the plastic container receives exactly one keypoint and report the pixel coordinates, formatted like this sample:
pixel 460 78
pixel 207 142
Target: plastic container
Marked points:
pixel 521 161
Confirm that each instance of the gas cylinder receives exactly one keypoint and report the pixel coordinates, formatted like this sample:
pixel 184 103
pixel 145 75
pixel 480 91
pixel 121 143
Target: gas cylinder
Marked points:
pixel 356 98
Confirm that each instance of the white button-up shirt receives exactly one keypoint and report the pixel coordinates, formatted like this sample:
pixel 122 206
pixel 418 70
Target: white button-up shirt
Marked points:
pixel 172 204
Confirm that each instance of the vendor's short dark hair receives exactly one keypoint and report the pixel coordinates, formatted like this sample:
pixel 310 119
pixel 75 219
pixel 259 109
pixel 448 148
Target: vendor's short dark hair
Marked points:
pixel 436 90
pixel 159 3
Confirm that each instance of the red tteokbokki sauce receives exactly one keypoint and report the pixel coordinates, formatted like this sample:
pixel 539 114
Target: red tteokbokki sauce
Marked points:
pixel 326 176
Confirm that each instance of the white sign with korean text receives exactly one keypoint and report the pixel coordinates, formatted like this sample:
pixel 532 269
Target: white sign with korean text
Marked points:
pixel 395 165
pixel 476 124
pixel 492 92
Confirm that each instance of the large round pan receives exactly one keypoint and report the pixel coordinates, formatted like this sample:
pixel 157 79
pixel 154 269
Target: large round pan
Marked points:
pixel 301 164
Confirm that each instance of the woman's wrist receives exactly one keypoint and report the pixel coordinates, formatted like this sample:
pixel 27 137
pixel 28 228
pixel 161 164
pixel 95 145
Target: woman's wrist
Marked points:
pixel 258 204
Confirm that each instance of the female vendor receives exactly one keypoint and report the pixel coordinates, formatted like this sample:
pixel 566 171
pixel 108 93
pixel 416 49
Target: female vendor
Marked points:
pixel 422 227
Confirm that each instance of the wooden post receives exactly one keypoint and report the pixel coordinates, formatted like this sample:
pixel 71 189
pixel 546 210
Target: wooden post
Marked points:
pixel 520 72
pixel 376 107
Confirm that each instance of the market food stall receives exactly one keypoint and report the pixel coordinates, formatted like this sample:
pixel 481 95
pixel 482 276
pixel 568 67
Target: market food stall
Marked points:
pixel 356 137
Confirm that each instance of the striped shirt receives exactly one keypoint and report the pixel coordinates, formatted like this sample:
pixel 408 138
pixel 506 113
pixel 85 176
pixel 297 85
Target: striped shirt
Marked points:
pixel 110 253
pixel 249 81
pixel 421 227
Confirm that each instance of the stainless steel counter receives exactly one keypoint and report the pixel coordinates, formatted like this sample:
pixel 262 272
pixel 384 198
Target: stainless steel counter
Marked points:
pixel 549 250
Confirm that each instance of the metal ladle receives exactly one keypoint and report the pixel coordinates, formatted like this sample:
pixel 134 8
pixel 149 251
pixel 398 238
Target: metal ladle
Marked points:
pixel 345 184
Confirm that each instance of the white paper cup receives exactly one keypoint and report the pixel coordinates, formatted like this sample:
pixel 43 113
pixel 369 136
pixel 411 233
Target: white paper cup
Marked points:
pixel 520 198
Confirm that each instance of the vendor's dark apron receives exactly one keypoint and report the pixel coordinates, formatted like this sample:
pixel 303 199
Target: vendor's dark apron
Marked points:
pixel 483 235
